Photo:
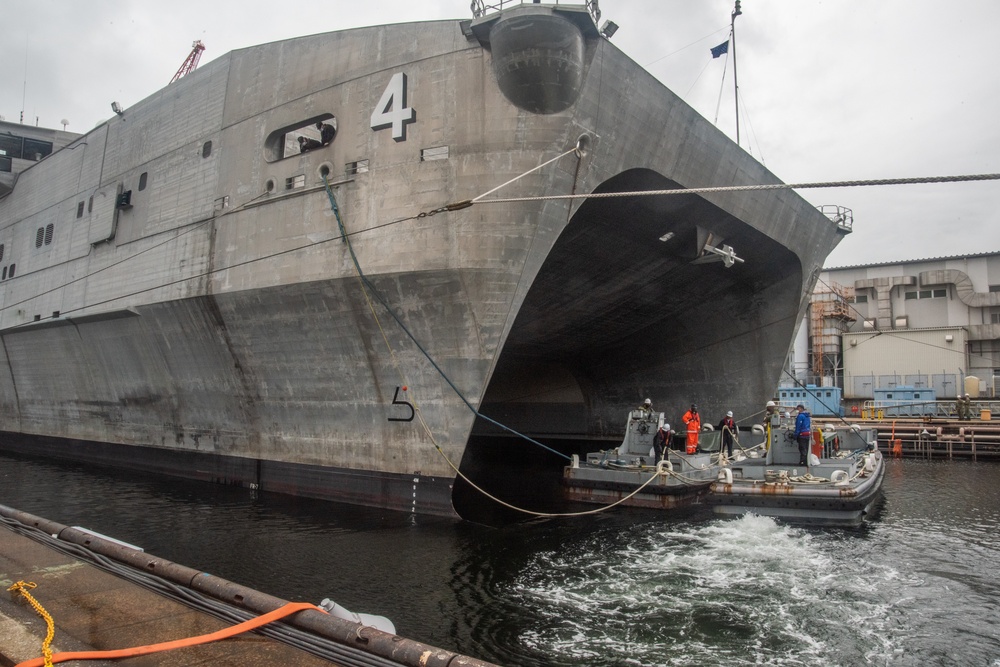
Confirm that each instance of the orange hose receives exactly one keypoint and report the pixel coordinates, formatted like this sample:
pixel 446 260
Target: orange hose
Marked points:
pixel 280 612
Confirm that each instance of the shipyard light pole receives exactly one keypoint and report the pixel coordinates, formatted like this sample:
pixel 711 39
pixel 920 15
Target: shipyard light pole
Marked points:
pixel 736 86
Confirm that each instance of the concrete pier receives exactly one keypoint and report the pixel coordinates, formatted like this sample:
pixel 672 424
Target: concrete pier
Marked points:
pixel 115 601
pixel 94 610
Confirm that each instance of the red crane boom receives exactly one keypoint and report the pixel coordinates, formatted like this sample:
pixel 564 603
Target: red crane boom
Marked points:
pixel 191 61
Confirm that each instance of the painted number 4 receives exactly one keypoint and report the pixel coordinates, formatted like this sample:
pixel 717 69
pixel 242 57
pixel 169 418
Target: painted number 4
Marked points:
pixel 392 111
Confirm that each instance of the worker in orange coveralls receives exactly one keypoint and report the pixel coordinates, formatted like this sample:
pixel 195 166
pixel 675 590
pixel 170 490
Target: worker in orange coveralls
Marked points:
pixel 692 420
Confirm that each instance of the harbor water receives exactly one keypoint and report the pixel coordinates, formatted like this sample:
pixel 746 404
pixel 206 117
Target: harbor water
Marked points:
pixel 916 585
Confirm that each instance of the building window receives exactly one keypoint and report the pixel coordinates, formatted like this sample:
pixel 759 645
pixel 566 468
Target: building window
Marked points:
pixel 861 298
pixel 293 182
pixel 358 167
pixel 937 293
pixel 995 288
pixel 994 318
pixel 142 181
pixel 79 210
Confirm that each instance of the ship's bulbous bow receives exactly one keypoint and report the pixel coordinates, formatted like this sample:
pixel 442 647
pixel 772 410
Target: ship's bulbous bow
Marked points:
pixel 538 61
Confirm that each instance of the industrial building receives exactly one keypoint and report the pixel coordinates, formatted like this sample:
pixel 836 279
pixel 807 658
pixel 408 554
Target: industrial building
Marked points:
pixel 925 324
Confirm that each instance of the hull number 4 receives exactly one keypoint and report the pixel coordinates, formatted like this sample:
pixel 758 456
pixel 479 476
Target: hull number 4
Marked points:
pixel 391 110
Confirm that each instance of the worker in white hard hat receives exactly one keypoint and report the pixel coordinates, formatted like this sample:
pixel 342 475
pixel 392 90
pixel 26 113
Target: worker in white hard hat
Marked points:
pixel 728 428
pixel 647 405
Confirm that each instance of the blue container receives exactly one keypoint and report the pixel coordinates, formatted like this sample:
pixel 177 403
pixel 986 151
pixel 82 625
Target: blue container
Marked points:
pixel 904 401
pixel 819 401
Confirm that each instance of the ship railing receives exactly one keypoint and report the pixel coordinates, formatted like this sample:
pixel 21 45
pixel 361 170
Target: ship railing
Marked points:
pixel 843 216
pixel 943 409
pixel 481 8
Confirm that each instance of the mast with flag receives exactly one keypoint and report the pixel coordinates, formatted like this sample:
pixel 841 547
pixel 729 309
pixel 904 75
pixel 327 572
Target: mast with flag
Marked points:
pixel 736 87
pixel 723 49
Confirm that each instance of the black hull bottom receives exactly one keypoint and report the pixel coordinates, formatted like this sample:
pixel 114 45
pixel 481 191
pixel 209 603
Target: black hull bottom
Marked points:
pixel 357 487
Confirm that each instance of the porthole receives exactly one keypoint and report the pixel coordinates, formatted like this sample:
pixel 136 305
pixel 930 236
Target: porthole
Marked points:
pixel 324 170
pixel 269 186
pixel 142 181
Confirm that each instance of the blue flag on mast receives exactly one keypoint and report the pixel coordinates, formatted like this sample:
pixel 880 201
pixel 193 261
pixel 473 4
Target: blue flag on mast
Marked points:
pixel 720 49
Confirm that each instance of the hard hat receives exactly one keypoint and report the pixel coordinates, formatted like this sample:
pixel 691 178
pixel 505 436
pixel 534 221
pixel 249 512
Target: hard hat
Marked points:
pixel 729 414
pixel 800 407
pixel 770 404
pixel 647 402
pixel 694 407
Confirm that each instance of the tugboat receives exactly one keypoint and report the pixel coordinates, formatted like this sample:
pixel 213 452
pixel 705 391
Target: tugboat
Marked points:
pixel 630 475
pixel 838 487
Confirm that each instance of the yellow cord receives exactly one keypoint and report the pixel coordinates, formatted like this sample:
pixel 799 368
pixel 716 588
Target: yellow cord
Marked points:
pixel 22 587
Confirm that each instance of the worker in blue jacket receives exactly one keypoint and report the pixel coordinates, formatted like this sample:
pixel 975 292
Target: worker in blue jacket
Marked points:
pixel 803 433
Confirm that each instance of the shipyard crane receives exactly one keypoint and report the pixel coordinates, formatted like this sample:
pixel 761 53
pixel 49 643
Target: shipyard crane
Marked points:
pixel 191 61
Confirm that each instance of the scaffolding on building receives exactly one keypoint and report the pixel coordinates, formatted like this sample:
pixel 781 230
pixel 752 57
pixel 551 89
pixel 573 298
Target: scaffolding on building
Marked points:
pixel 830 316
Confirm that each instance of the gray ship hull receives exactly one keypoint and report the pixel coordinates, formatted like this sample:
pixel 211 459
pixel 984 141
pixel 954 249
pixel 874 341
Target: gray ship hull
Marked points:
pixel 215 324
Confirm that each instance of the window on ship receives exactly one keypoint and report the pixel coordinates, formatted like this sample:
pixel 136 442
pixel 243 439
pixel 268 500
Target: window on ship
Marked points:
pixel 14 146
pixel 307 135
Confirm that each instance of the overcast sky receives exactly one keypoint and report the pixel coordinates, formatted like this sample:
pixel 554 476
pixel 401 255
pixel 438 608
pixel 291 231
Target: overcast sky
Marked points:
pixel 832 90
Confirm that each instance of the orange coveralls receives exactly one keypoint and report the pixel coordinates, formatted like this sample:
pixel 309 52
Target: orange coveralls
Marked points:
pixel 693 422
